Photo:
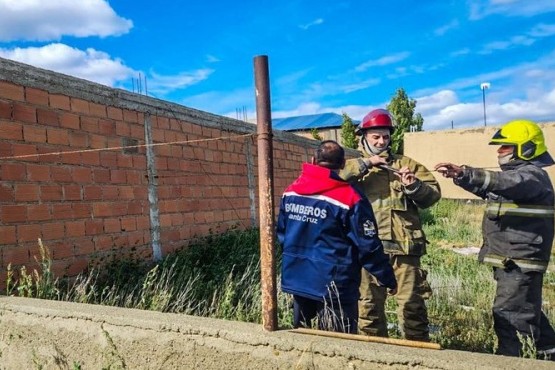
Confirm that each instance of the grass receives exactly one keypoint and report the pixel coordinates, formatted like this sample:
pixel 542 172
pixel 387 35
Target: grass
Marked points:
pixel 219 276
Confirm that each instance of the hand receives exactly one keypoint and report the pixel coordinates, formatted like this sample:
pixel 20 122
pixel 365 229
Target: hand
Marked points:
pixel 391 291
pixel 407 176
pixel 374 160
pixel 449 170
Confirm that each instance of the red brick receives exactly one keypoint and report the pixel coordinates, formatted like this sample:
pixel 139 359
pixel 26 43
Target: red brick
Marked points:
pixel 118 176
pixel 93 227
pixel 11 91
pixel 137 132
pixel 78 266
pixel 115 113
pixel 106 128
pixel 48 117
pixel 51 192
pixel 53 230
pixel 38 172
pixel 38 212
pixel 79 105
pixel 82 175
pixel 8 235
pixel 59 101
pixel 24 113
pixel 85 247
pixel 28 232
pixel 89 124
pixel 62 250
pixel 110 192
pixel 26 192
pixel 72 192
pixel 61 174
pixel 18 255
pixel 69 120
pixel 25 151
pixel 128 224
pixel 162 123
pixel 62 211
pixel 123 129
pixel 90 158
pixel 36 96
pixel 136 207
pixel 109 160
pixel 57 136
pixel 81 210
pixel 75 228
pixel 143 222
pixel 112 225
pixel 125 161
pixel 135 238
pixel 11 131
pixel 6 110
pixel 97 110
pixel 101 175
pixel 103 243
pixel 6 193
pixel 13 213
pixel 34 134
pixel 130 116
pixel 97 141
pixel 104 209
pixel 92 192
pixel 78 139
pixel 12 171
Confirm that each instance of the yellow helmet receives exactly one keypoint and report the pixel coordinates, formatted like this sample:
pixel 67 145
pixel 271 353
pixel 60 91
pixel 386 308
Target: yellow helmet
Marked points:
pixel 526 136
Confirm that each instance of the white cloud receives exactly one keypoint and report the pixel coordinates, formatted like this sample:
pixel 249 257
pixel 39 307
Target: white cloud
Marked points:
pixel 446 28
pixel 359 85
pixel 480 9
pixel 313 23
pixel 90 64
pixel 212 59
pixel 459 52
pixel 543 30
pixel 160 84
pixel 41 20
pixel 389 59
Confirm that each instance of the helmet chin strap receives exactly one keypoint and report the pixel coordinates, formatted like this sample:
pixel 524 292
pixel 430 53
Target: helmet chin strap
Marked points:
pixel 372 150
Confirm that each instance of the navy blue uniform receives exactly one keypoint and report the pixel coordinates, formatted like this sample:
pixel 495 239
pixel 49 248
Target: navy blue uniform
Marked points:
pixel 328 233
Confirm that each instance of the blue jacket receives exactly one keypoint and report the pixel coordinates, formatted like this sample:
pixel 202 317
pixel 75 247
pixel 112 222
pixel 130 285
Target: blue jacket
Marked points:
pixel 328 233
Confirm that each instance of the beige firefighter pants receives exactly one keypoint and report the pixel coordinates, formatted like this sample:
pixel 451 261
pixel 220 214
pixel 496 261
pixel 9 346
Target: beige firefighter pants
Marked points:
pixel 412 291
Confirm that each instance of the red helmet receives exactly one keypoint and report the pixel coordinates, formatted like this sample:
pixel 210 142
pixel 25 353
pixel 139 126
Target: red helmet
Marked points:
pixel 378 118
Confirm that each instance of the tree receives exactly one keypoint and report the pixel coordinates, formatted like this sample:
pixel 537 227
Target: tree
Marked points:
pixel 402 109
pixel 315 134
pixel 348 136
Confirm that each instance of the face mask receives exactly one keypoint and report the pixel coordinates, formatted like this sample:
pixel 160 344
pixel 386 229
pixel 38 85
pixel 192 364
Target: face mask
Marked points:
pixel 370 149
pixel 505 159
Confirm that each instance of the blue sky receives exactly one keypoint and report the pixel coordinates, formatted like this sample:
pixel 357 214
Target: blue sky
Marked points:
pixel 324 56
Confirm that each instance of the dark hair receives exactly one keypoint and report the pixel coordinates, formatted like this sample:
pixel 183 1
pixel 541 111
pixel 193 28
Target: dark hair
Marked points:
pixel 329 154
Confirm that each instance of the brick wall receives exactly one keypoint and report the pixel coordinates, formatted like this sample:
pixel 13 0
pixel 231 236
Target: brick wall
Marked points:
pixel 103 198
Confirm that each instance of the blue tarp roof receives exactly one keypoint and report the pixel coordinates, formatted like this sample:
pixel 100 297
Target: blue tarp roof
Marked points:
pixel 323 120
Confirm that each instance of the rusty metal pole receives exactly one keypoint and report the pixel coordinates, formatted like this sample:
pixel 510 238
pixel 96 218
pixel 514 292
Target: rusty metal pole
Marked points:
pixel 265 193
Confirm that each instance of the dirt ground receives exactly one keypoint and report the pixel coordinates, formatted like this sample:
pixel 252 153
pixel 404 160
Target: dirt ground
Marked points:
pixel 61 335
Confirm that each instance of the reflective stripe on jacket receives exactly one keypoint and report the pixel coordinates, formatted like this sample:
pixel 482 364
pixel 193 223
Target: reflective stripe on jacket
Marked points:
pixel 396 206
pixel 518 225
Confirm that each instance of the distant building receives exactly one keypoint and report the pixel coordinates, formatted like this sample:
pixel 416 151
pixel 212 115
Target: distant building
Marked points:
pixel 328 125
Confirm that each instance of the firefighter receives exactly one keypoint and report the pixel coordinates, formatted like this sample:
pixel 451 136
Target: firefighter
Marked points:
pixel 397 186
pixel 518 229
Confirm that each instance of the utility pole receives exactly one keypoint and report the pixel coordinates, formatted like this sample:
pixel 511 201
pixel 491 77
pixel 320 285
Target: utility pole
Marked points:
pixel 484 86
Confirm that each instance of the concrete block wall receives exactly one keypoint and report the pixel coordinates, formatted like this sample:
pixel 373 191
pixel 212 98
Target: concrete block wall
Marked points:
pixel 464 146
pixel 102 194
